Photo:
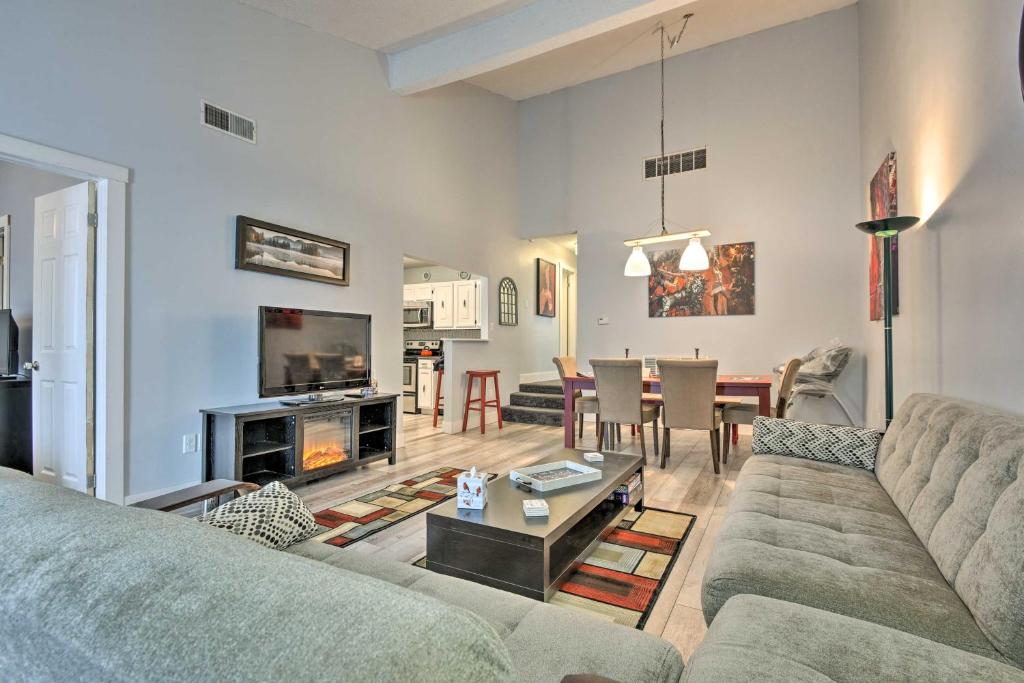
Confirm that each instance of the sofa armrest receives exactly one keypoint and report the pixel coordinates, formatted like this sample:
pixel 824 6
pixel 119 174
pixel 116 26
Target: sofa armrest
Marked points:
pixel 851 446
pixel 771 641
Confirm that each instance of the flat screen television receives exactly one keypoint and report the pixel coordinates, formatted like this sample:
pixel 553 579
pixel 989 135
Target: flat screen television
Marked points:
pixel 8 343
pixel 311 351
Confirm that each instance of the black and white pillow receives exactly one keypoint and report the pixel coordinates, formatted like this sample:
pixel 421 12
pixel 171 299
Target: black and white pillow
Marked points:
pixel 273 516
pixel 828 443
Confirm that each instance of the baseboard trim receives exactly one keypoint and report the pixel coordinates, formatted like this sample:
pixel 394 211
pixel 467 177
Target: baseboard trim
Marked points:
pixel 139 497
pixel 528 377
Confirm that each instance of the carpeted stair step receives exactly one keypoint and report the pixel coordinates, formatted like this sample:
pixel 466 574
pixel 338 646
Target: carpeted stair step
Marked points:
pixel 531 400
pixel 530 415
pixel 549 387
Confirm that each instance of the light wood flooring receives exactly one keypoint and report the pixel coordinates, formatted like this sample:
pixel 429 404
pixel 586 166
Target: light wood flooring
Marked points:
pixel 688 484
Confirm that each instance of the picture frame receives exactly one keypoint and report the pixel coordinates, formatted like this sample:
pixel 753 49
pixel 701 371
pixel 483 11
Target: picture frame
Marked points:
pixel 270 248
pixel 547 288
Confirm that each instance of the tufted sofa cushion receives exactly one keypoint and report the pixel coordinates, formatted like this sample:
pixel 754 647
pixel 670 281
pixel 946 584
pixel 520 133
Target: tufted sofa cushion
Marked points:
pixel 546 642
pixel 828 536
pixel 953 468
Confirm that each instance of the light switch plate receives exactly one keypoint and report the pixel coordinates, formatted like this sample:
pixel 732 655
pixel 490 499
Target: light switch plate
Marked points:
pixel 190 443
pixel 602 320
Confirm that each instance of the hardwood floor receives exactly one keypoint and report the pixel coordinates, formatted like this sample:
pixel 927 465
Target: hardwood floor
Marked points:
pixel 687 484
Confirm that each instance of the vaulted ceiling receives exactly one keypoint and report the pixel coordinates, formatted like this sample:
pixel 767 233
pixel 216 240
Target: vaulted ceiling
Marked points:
pixel 523 48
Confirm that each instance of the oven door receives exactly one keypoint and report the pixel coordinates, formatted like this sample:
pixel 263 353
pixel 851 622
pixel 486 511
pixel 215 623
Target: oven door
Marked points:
pixel 409 376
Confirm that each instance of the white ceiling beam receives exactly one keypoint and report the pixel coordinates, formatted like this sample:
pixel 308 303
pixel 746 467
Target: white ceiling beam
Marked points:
pixel 540 27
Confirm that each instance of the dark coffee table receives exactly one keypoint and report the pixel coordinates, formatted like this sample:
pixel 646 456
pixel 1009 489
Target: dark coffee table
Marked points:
pixel 499 546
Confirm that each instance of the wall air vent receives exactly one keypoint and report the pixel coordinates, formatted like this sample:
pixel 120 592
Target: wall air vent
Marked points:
pixel 680 162
pixel 229 122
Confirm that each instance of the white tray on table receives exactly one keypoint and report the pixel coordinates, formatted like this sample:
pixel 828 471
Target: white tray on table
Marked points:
pixel 551 476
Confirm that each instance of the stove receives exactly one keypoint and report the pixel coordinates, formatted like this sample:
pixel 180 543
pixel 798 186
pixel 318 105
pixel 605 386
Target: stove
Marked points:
pixel 413 349
pixel 412 397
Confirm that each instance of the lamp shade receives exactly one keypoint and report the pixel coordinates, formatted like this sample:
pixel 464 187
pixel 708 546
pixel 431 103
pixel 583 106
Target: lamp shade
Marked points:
pixel 694 256
pixel 887 227
pixel 637 264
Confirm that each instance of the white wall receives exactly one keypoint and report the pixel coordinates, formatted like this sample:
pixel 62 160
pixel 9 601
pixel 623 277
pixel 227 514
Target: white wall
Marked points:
pixel 940 85
pixel 19 187
pixel 778 112
pixel 338 155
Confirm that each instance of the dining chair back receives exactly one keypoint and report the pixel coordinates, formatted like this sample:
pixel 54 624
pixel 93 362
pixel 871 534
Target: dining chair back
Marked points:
pixel 566 366
pixel 620 388
pixel 786 387
pixel 688 393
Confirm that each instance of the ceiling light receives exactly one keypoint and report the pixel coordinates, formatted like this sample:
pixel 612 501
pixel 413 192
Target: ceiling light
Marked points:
pixel 695 257
pixel 637 264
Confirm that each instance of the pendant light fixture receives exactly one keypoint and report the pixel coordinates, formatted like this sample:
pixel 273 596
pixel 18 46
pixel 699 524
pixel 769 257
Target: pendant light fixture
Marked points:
pixel 694 256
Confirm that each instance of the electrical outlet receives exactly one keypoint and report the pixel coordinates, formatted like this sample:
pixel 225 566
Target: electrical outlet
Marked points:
pixel 190 443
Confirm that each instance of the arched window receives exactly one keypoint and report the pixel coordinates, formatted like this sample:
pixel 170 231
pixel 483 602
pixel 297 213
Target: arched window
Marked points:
pixel 508 302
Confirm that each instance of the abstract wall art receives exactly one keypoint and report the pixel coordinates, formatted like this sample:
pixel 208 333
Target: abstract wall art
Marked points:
pixel 883 205
pixel 725 288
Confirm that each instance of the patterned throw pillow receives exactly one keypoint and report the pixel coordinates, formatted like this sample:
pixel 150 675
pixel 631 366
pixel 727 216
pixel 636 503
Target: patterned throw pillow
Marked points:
pixel 828 443
pixel 273 516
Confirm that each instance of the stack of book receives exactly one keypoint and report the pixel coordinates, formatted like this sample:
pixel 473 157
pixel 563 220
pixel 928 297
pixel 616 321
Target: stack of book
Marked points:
pixel 535 508
pixel 629 492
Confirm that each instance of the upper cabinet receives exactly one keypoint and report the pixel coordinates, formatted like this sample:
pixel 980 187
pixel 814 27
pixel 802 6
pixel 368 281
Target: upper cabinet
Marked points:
pixel 424 292
pixel 444 305
pixel 467 304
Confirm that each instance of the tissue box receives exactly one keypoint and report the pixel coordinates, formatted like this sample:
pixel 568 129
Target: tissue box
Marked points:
pixel 472 488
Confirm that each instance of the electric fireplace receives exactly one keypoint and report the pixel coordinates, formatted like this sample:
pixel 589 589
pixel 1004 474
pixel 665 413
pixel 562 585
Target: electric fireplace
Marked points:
pixel 326 438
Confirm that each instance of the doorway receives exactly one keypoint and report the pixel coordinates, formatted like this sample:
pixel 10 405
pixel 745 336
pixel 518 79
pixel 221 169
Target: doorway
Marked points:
pixel 77 291
pixel 567 312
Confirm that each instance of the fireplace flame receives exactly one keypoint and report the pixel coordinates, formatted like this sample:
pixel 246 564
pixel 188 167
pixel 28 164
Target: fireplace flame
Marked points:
pixel 322 454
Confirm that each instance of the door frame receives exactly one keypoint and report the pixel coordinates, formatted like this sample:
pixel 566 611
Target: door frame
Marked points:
pixel 5 259
pixel 567 313
pixel 110 331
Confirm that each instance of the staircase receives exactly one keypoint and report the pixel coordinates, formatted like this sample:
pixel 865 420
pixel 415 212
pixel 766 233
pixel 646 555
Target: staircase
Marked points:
pixel 537 403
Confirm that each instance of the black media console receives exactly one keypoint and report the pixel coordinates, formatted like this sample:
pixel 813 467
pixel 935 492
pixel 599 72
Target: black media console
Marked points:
pixel 267 442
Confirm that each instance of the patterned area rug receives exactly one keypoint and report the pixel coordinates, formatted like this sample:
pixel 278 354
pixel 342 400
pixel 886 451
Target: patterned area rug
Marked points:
pixel 357 518
pixel 620 581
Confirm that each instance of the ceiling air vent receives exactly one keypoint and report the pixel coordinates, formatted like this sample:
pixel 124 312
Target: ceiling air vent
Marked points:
pixel 229 122
pixel 680 162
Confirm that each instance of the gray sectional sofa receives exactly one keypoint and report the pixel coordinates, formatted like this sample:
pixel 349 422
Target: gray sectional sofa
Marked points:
pixel 94 592
pixel 915 571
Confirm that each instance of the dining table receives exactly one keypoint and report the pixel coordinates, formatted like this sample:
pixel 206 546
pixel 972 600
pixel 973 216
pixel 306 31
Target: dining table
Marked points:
pixel 728 385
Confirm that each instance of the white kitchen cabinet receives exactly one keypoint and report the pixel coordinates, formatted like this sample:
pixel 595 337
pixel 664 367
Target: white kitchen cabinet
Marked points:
pixel 444 305
pixel 467 310
pixel 425 386
pixel 417 293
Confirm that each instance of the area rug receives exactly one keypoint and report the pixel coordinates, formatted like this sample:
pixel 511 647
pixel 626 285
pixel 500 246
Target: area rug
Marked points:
pixel 358 518
pixel 621 580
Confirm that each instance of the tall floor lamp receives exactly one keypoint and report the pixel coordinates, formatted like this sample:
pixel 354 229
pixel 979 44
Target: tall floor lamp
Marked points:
pixel 887 228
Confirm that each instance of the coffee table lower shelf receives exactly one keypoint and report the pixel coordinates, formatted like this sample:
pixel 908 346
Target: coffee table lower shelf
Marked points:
pixel 533 562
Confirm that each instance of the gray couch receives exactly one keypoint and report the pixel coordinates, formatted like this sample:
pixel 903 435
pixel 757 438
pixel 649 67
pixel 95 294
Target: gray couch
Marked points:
pixel 913 572
pixel 93 591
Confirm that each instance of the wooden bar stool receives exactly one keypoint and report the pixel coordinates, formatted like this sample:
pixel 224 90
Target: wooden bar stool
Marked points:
pixel 437 392
pixel 482 376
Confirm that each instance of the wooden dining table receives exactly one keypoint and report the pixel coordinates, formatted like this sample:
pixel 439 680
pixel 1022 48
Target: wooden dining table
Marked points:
pixel 728 385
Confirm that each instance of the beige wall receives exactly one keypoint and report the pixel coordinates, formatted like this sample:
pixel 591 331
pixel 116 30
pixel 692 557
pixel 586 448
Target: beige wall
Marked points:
pixel 940 85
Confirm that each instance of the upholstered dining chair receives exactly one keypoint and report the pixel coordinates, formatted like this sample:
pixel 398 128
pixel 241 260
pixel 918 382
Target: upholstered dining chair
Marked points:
pixel 585 405
pixel 744 413
pixel 620 388
pixel 688 395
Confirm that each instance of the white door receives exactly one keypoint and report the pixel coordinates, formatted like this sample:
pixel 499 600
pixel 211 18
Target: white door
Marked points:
pixel 444 299
pixel 465 305
pixel 425 386
pixel 61 337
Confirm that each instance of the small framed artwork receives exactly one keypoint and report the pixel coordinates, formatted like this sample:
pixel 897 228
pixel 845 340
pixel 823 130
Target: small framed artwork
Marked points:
pixel 275 249
pixel 547 275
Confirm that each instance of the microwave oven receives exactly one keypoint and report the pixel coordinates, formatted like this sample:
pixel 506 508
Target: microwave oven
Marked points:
pixel 418 314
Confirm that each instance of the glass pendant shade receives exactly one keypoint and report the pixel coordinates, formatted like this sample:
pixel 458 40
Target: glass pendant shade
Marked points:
pixel 637 265
pixel 694 256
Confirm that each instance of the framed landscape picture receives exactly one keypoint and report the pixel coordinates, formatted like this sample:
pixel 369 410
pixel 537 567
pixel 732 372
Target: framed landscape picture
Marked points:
pixel 270 248
pixel 547 288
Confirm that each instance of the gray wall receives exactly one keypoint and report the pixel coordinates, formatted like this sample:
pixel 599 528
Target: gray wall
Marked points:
pixel 19 187
pixel 940 85
pixel 778 112
pixel 338 155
